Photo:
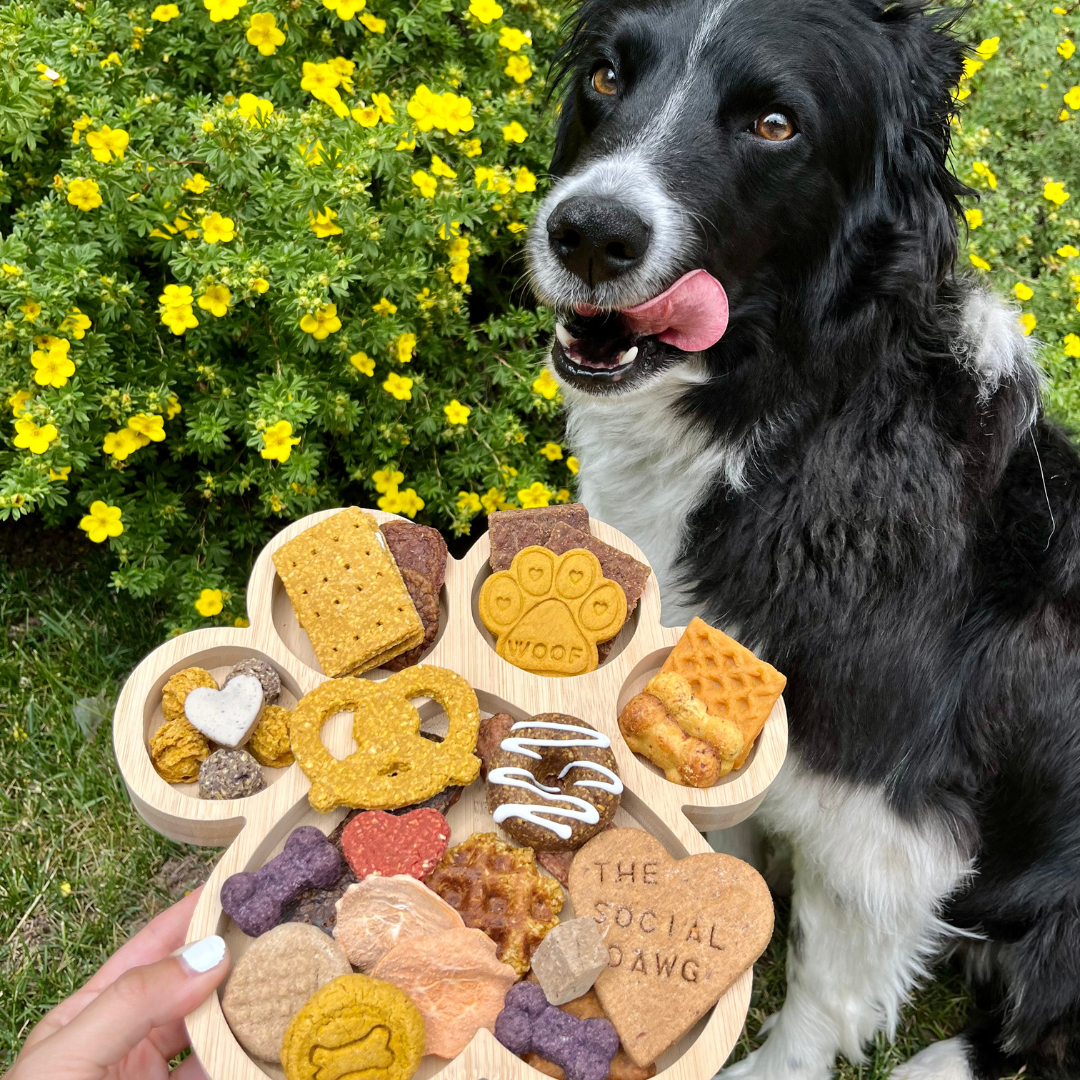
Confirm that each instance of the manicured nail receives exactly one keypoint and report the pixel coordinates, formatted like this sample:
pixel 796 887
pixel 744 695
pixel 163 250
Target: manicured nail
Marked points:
pixel 202 956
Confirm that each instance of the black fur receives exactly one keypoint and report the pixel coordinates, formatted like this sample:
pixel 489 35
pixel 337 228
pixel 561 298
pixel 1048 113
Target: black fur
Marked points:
pixel 907 549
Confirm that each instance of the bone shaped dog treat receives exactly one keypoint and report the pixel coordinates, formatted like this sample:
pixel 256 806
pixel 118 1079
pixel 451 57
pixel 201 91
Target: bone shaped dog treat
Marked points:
pixel 255 901
pixel 583 1049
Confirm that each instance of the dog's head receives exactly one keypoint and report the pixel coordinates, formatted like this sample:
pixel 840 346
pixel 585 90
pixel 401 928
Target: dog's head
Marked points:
pixel 795 152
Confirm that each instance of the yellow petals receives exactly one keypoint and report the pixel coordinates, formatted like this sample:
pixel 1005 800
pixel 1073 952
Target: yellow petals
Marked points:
pixel 1028 323
pixel 440 168
pixel 427 184
pixel 1055 192
pixel 387 480
pixel 447 112
pixel 217 229
pixel 514 132
pixel 536 494
pixel 321 323
pixel 545 385
pixel 102 521
pixel 322 224
pixel 980 168
pixel 84 194
pixel 363 363
pixel 468 502
pixel 458 415
pixel 165 12
pixel 552 451
pixel 512 39
pixel 518 68
pixel 278 442
pixel 384 307
pixel 987 47
pixel 216 300
pixel 375 25
pixel 398 386
pixel 974 217
pixel 223 10
pixel 979 263
pixel 1022 291
pixel 572 464
pixel 1066 48
pixel 1071 344
pixel 1068 251
pixel 254 109
pixel 404 346
pixel 1072 98
pixel 264 34
pixel 31 309
pixel 487 11
pixel 210 603
pixel 28 436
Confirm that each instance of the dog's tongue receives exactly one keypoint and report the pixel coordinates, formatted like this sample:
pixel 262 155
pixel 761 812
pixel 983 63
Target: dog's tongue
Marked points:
pixel 691 315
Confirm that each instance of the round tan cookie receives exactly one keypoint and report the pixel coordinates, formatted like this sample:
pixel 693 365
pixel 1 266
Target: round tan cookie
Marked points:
pixel 272 980
pixel 177 749
pixel 176 690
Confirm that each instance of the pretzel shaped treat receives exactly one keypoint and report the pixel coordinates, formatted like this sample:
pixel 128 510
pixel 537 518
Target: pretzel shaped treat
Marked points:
pixel 393 765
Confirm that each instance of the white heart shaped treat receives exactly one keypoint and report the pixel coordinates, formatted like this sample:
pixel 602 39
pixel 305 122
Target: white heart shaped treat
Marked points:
pixel 226 716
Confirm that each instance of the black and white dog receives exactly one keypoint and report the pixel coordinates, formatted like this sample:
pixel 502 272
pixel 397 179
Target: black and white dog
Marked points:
pixel 855 479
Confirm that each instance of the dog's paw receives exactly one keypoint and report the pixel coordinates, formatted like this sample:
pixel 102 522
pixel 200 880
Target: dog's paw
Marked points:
pixel 764 1064
pixel 946 1060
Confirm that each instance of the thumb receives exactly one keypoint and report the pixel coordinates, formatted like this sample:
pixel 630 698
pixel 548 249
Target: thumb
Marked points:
pixel 139 1001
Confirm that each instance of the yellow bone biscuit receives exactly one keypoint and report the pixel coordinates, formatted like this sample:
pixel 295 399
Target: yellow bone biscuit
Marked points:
pixel 393 765
pixel 549 611
pixel 728 677
pixel 348 594
pixel 269 742
pixel 354 1026
pixel 690 714
pixel 649 731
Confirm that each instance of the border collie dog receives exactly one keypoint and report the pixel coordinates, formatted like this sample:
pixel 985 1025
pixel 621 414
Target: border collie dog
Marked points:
pixel 855 479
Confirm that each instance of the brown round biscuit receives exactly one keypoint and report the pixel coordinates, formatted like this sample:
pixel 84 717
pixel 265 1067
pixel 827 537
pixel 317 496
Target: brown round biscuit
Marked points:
pixel 417 547
pixel 425 599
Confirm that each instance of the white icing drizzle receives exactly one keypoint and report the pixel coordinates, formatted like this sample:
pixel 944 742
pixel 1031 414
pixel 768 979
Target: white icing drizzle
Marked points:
pixel 615 786
pixel 522 778
pixel 518 746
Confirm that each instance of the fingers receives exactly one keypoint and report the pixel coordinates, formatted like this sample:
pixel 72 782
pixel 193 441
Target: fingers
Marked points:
pixel 141 1000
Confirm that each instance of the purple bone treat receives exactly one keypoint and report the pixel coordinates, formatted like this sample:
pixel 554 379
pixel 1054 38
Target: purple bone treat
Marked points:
pixel 255 901
pixel 583 1049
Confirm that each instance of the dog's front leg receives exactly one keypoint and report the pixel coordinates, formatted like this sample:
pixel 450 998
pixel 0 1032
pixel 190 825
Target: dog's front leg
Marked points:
pixel 868 889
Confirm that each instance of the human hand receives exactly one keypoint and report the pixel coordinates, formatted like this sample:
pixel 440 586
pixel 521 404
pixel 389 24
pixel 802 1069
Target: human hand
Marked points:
pixel 127 1022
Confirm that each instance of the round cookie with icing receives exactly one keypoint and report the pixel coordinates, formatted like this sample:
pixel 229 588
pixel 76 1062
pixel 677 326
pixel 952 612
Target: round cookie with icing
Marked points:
pixel 553 782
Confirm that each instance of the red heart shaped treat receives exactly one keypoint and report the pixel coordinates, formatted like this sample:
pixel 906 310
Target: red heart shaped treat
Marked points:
pixel 376 842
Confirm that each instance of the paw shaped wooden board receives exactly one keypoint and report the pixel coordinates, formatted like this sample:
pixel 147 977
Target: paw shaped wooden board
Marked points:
pixel 254 829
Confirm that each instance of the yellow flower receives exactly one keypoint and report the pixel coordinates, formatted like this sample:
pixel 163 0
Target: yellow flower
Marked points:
pixel 254 109
pixel 987 47
pixel 321 81
pixel 76 324
pixel 456 413
pixel 1060 11
pixel 980 168
pixel 85 194
pixel 216 300
pixel 1068 251
pixel 52 368
pixel 447 111
pixel 487 11
pixel 534 495
pixel 440 168
pixel 345 9
pixel 50 75
pixel 322 224
pixel 123 443
pixel 60 474
pixel 563 495
pixel 1055 192
pixel 405 345
pixel 1066 48
pixel 363 363
pixel 208 126
pixel 473 148
pixel 196 184
pixel 518 68
pixel 10 270
pixel 387 480
pixel 174 407
pixel 398 386
pixel 512 39
pixel 264 34
pixel 31 310
pixel 386 110
pixel 552 451
pixel 495 499
pixel 389 501
pixel 961 93
pixel 165 12
pixel 223 9
pixel 217 228
pixel 375 25
pixel 514 132
pixel 112 58
pixel 517 226
pixel 1072 346
pixel 148 426
pixel 970 67
pixel 366 115
pixel 1022 291
pixel 176 296
pixel 1027 323
pixel 102 521
pixel 178 318
pixel 409 503
pixel 1063 115
pixel 572 464
pixel 974 217
pixel 545 385
pixel 978 263
pixel 278 442
pixel 240 622
pixel 210 603
pixel 80 125
pixel 28 436
pixel 18 401
pixel 321 323
pixel 384 307
pixel 1072 98
pixel 425 182
pixel 468 502
pixel 344 69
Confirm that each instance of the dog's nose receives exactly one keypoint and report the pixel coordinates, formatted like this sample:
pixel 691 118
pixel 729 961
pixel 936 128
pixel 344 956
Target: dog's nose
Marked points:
pixel 597 239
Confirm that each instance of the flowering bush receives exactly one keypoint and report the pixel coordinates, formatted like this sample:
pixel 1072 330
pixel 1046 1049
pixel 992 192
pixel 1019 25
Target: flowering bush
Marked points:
pixel 259 262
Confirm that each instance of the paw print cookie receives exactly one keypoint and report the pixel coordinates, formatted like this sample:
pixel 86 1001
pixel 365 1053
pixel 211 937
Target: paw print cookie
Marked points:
pixel 549 612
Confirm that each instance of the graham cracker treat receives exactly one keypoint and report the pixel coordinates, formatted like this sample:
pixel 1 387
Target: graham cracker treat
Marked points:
pixel 348 594
pixel 227 716
pixel 729 678
pixel 678 932
pixel 512 530
pixel 174 693
pixel 455 981
pixel 273 978
pixel 553 782
pixel 378 913
pixel 392 765
pixel 498 889
pixel 624 569
pixel 569 959
pixel 376 842
pixel 548 612
pixel 230 774
pixel 418 547
pixel 264 671
pixel 588 1007
pixel 352 1027
pixel 269 741
pixel 177 750
pixel 649 731
pixel 425 598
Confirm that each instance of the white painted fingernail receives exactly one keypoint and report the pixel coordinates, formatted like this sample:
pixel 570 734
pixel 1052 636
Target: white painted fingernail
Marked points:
pixel 201 956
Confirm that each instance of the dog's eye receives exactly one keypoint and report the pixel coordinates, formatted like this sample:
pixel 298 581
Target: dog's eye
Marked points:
pixel 774 126
pixel 604 80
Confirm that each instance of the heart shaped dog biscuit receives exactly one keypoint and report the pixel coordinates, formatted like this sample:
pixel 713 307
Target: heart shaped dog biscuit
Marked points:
pixel 227 716
pixel 678 932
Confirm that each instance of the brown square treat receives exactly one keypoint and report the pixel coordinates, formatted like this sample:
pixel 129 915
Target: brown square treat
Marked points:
pixel 616 564
pixel 418 547
pixel 512 530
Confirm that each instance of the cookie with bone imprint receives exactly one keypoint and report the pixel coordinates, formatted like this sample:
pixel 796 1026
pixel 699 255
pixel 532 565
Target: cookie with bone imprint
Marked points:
pixel 553 782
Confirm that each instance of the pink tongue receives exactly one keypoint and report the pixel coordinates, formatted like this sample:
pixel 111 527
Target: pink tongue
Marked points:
pixel 692 315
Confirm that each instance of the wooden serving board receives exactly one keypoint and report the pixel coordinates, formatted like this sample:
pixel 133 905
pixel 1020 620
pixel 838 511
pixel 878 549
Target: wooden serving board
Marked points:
pixel 255 828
